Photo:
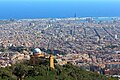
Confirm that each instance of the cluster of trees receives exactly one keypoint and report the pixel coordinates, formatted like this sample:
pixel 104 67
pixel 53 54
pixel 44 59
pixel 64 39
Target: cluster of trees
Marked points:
pixel 27 71
pixel 42 71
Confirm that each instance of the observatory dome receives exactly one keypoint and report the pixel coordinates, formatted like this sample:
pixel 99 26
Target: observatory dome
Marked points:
pixel 37 51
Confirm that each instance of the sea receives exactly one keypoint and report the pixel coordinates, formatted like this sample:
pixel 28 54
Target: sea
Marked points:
pixel 57 9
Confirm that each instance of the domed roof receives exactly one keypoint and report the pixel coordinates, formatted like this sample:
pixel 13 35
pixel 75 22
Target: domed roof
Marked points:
pixel 37 51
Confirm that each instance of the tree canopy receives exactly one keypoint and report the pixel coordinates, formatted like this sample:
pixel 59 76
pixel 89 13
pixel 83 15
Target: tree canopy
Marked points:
pixel 23 71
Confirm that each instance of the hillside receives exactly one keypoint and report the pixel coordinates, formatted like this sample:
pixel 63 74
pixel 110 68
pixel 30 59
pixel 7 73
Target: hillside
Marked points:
pixel 27 71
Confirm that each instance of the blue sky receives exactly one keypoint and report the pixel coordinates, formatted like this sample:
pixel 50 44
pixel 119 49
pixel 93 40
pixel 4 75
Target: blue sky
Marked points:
pixel 58 8
pixel 62 0
pixel 53 1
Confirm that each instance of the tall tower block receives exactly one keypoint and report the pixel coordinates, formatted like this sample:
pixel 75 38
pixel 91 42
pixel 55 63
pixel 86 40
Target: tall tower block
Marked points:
pixel 51 61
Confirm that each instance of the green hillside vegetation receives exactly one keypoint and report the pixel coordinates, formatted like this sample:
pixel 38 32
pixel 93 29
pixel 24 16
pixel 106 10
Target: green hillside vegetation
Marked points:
pixel 26 71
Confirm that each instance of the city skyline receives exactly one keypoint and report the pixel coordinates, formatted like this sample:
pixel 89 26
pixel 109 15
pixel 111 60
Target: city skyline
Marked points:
pixel 59 39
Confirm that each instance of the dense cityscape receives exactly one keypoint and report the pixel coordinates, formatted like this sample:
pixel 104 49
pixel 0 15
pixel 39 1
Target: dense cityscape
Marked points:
pixel 92 43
